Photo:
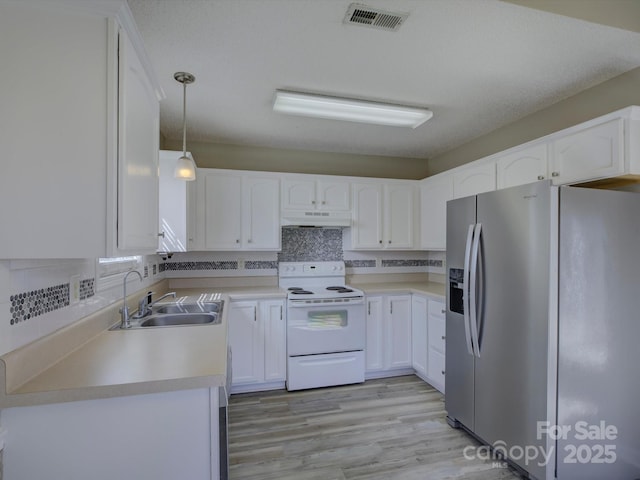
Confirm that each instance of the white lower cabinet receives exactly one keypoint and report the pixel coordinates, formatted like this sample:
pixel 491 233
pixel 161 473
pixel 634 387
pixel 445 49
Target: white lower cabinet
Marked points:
pixel 257 335
pixel 436 333
pixel 419 345
pixel 388 343
pixel 162 436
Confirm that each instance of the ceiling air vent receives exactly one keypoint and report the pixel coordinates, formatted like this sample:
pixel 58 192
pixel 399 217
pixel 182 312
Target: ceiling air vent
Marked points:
pixel 372 17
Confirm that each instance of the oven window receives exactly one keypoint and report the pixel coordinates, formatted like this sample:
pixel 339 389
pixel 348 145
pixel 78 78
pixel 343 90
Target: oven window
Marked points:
pixel 327 319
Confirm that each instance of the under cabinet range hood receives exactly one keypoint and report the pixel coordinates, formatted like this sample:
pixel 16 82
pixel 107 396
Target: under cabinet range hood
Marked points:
pixel 316 219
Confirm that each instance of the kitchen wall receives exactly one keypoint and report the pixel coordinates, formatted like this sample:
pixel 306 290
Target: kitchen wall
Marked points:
pixel 236 157
pixel 298 245
pixel 38 297
pixel 606 97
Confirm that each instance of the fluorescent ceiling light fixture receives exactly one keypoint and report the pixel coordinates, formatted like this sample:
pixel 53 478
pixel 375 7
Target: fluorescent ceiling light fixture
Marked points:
pixel 334 108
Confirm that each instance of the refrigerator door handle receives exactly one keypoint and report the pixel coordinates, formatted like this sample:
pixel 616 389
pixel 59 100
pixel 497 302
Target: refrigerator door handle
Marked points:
pixel 465 291
pixel 473 310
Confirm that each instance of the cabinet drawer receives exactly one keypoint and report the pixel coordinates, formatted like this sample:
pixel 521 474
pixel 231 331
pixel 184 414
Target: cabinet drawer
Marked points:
pixel 436 334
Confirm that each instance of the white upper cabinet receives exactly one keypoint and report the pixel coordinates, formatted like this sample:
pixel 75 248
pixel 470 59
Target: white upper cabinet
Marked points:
pixel 383 216
pixel 307 193
pixel 435 192
pixel 474 179
pixel 261 213
pixel 399 213
pixel 63 145
pixel 366 231
pixel 596 152
pixel 237 211
pixel 138 147
pixel 523 166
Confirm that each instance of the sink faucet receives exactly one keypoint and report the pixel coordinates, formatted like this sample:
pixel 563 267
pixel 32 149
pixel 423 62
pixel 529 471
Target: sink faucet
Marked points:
pixel 144 306
pixel 124 311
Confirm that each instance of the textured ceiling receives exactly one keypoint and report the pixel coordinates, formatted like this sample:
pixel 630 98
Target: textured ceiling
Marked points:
pixel 478 64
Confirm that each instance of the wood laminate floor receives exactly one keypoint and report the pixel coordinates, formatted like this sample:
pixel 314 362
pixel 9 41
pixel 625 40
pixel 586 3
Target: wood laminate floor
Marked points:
pixel 391 428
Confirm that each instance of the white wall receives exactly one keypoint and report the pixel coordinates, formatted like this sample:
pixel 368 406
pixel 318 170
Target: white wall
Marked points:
pixel 32 278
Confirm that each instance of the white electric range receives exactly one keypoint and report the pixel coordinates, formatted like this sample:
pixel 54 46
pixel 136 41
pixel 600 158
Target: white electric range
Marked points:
pixel 325 325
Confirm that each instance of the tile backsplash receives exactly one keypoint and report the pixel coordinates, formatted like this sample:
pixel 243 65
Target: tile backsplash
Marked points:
pixel 311 244
pixel 38 297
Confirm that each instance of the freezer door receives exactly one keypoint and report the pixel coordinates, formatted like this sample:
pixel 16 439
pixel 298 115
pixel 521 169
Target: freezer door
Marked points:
pixel 459 364
pixel 513 293
pixel 599 328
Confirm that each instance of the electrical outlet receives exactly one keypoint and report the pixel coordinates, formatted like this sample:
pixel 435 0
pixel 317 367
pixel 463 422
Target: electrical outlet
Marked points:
pixel 74 294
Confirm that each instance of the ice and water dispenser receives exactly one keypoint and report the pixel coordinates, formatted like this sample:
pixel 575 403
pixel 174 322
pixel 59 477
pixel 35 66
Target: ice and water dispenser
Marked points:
pixel 456 285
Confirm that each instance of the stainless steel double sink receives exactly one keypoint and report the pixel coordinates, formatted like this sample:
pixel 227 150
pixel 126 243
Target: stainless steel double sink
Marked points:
pixel 179 314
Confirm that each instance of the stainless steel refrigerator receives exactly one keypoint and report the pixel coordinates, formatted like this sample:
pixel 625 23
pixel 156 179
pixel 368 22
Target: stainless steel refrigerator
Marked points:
pixel 542 328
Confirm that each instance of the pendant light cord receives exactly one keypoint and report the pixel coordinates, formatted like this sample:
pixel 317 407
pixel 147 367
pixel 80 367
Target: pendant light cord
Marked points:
pixel 184 119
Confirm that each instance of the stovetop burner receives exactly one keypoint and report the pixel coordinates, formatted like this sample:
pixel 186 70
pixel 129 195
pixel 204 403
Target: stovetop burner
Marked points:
pixel 291 289
pixel 300 292
pixel 340 289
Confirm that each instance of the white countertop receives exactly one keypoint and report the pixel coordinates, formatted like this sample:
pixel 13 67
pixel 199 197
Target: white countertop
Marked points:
pixel 119 363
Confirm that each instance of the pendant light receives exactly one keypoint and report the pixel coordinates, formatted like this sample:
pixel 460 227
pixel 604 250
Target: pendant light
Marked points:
pixel 186 167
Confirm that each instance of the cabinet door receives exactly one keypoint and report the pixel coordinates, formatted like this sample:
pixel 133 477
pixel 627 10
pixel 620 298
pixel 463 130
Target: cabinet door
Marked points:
pixel 593 153
pixel 436 345
pixel 138 147
pixel 398 219
pixel 374 349
pixel 398 327
pixel 53 132
pixel 333 196
pixel 419 334
pixel 474 180
pixel 298 194
pixel 173 205
pixel 261 213
pixel 366 232
pixel 524 166
pixel 434 195
pixel 275 342
pixel 221 196
pixel 247 343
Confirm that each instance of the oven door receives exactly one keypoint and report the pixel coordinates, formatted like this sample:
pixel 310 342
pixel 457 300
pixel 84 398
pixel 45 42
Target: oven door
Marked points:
pixel 325 328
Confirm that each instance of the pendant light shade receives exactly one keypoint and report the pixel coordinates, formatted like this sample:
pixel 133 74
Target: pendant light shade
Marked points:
pixel 185 167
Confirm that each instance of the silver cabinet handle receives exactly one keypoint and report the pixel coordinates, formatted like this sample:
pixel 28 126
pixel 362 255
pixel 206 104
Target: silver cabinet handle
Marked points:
pixel 443 311
pixel 443 337
pixel 248 240
pixel 255 314
pixel 161 234
pixel 323 202
pixel 442 372
pixel 540 177
pixel 391 307
pixel 313 202
pixel 368 308
pixel 389 242
pixel 237 240
pixel 380 242
pixel 555 174
pixel 280 312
